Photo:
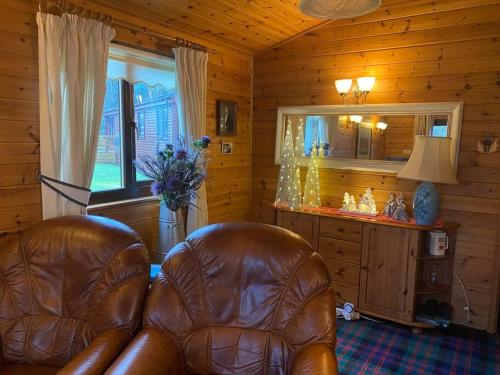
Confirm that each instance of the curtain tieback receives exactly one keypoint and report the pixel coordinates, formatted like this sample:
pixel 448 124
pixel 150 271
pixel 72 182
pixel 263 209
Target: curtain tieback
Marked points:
pixel 74 193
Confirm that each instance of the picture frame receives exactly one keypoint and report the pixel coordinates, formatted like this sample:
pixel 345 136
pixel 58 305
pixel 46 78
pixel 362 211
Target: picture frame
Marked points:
pixel 227 112
pixel 226 148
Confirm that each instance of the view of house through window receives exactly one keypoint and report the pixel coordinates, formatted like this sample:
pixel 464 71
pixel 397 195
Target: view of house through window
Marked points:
pixel 139 118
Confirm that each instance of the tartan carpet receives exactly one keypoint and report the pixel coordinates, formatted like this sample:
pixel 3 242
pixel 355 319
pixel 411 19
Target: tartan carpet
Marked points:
pixel 365 347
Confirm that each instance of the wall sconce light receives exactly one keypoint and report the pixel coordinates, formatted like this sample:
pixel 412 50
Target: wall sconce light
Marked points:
pixel 363 88
pixel 351 121
pixel 380 127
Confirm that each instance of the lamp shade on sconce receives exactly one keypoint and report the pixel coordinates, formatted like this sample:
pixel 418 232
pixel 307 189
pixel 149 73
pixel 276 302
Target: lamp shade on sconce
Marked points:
pixel 365 84
pixel 343 86
pixel 355 118
pixel 430 161
pixel 381 125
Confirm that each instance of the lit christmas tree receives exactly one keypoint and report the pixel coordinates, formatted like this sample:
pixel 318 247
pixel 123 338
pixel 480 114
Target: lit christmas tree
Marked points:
pixel 288 192
pixel 311 189
pixel 299 138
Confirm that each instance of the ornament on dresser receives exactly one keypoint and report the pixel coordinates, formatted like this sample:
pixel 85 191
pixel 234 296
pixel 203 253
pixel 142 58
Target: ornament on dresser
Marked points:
pixel 289 191
pixel 312 195
pixel 395 208
pixel 390 205
pixel 400 212
pixel 366 204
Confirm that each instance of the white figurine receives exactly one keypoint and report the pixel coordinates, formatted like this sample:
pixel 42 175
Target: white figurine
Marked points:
pixel 352 204
pixel 367 203
pixel 390 205
pixel 346 201
pixel 400 212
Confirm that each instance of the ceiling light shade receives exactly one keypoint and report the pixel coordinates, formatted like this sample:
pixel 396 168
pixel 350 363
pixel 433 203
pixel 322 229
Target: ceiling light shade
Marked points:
pixel 381 125
pixel 365 84
pixel 343 86
pixel 356 118
pixel 337 9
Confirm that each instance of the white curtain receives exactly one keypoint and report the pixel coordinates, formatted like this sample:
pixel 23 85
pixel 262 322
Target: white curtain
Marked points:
pixel 422 125
pixel 191 78
pixel 72 62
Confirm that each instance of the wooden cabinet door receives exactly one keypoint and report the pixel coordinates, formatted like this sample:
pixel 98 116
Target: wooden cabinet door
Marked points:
pixel 388 271
pixel 304 225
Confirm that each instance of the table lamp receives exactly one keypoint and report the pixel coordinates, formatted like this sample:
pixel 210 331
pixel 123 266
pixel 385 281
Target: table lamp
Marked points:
pixel 430 163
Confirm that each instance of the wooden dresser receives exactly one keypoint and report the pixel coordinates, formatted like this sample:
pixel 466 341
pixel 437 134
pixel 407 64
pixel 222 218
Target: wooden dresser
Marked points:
pixel 378 266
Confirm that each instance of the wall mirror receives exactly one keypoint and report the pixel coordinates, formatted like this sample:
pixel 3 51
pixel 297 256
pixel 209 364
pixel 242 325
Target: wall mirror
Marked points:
pixel 372 137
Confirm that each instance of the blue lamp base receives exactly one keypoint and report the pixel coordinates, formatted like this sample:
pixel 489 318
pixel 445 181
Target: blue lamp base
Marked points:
pixel 426 204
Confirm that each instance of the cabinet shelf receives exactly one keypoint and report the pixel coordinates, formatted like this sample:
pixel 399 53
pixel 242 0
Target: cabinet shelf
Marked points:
pixel 442 289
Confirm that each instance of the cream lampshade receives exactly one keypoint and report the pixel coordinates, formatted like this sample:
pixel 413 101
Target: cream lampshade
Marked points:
pixel 343 86
pixel 365 84
pixel 429 162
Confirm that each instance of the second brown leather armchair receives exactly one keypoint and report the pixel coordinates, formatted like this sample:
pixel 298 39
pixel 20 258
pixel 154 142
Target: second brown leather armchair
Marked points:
pixel 237 298
pixel 71 295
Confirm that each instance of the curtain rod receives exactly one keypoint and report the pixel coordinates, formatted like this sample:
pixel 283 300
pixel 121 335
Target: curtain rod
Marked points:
pixel 63 6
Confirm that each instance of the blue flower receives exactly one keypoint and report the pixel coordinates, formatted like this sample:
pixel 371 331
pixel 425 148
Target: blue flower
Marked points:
pixel 205 141
pixel 181 153
pixel 173 183
pixel 156 188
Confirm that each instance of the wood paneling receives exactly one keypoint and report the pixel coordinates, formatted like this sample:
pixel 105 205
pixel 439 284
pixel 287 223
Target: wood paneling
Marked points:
pixel 420 51
pixel 247 25
pixel 228 183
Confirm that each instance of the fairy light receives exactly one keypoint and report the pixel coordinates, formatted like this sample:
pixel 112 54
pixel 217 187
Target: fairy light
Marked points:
pixel 288 191
pixel 312 195
pixel 299 139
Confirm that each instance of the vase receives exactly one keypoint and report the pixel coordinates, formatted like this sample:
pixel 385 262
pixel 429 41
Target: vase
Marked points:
pixel 171 230
pixel 426 204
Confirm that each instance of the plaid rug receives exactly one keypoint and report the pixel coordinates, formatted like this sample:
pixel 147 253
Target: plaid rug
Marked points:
pixel 365 347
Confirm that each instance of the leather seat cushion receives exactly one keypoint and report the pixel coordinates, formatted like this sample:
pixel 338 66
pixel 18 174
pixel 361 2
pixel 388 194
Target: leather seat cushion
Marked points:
pixel 28 369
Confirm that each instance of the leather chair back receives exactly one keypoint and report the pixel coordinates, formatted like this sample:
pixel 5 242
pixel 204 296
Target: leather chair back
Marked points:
pixel 64 281
pixel 242 298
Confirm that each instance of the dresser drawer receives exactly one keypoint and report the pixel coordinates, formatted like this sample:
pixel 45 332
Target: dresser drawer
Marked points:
pixel 343 272
pixel 344 251
pixel 345 293
pixel 340 229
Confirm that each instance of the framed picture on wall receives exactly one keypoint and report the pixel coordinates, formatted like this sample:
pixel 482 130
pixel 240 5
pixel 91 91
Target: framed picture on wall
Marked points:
pixel 227 148
pixel 226 118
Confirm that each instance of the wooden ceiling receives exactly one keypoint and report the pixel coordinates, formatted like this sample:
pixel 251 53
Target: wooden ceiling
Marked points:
pixel 248 25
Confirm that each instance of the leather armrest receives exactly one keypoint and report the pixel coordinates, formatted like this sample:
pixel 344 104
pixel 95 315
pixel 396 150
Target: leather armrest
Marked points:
pixel 315 359
pixel 151 352
pixel 99 355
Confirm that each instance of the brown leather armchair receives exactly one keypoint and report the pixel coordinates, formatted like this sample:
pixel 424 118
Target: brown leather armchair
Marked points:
pixel 237 298
pixel 71 295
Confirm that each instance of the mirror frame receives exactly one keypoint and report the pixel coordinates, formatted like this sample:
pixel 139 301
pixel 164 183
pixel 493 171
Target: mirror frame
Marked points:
pixel 452 109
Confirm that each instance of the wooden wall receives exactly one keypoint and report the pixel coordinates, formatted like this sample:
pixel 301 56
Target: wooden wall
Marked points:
pixel 419 51
pixel 228 184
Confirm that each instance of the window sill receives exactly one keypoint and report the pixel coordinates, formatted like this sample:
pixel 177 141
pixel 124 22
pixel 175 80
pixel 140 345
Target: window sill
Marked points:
pixel 121 203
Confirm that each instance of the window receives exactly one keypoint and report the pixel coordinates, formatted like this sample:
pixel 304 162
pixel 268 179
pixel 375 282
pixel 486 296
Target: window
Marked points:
pixel 139 118
pixel 439 127
pixel 141 125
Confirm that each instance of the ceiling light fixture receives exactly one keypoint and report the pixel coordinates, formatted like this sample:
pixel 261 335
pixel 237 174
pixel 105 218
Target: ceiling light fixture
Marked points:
pixel 337 9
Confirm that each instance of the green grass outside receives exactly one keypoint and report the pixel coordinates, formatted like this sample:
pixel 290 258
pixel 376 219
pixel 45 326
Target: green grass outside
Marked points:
pixel 108 177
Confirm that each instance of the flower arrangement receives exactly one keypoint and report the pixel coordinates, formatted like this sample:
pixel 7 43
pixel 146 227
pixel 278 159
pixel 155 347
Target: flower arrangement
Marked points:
pixel 178 172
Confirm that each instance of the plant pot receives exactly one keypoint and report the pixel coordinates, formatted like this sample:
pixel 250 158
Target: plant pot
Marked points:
pixel 171 230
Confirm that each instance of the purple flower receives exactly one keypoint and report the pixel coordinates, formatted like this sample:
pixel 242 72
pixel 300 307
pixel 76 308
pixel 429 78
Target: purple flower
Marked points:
pixel 173 183
pixel 205 141
pixel 181 154
pixel 156 188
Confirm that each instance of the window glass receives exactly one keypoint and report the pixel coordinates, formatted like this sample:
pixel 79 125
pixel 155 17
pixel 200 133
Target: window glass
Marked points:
pixel 108 172
pixel 139 118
